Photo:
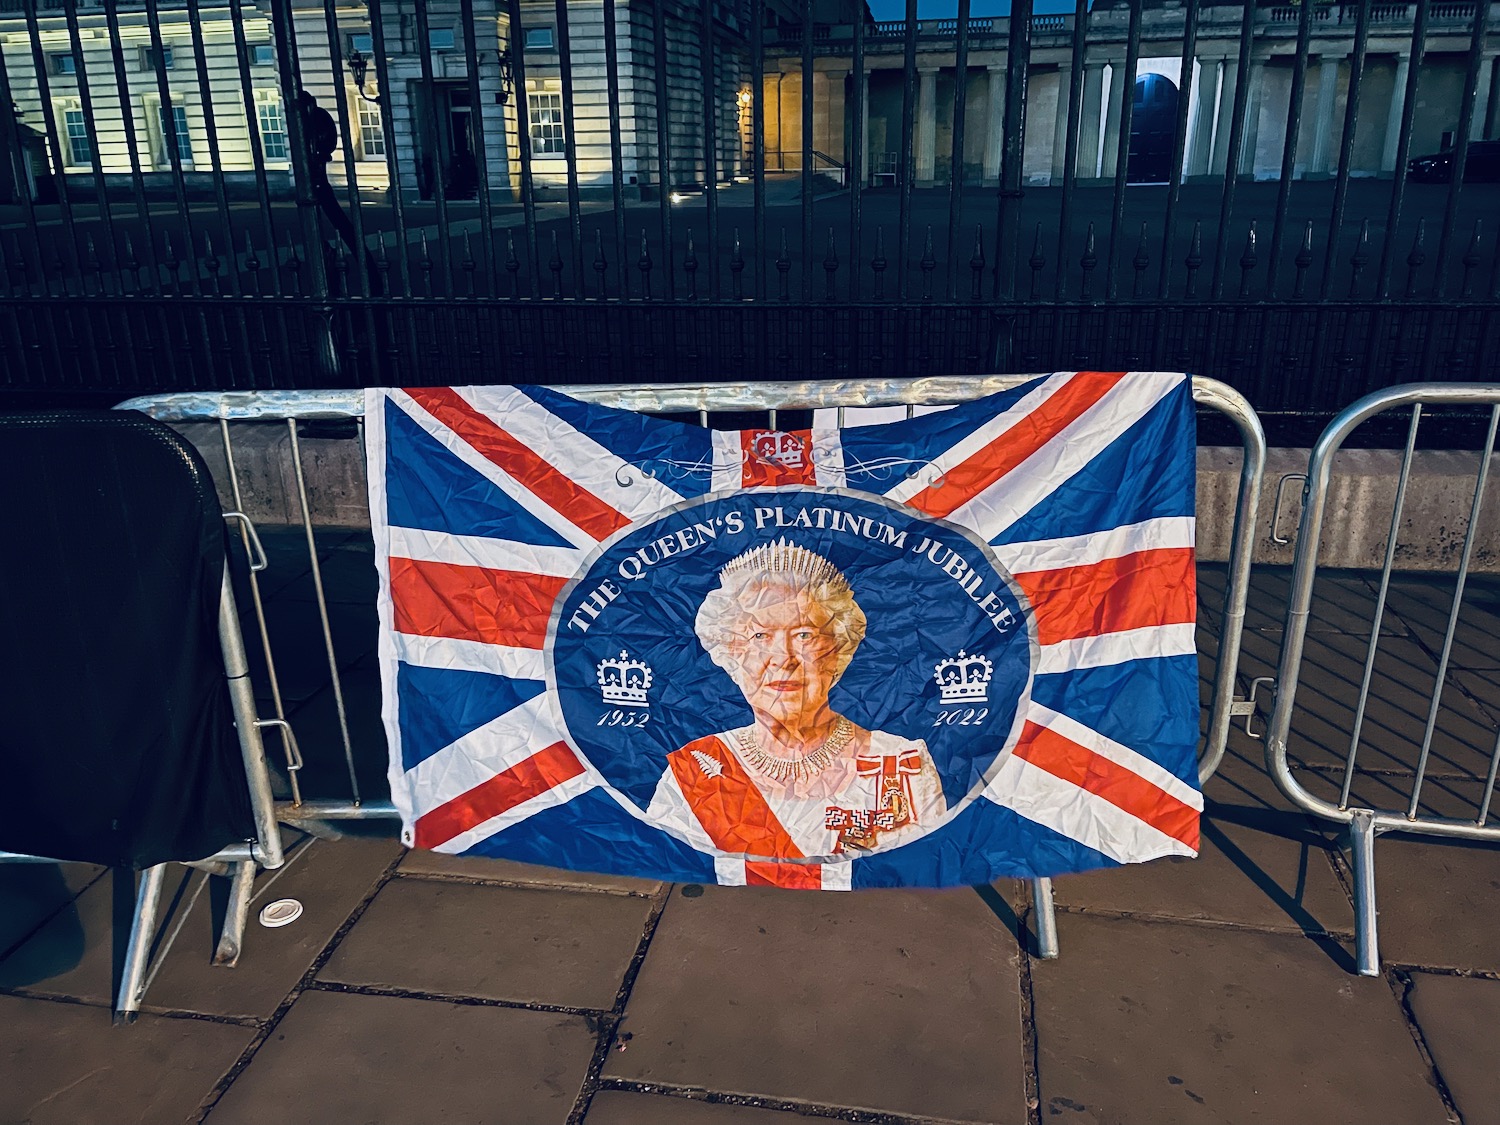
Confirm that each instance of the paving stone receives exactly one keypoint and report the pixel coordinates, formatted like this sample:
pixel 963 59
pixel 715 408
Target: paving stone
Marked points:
pixel 1424 604
pixel 1396 712
pixel 500 943
pixel 1456 798
pixel 1157 1024
pixel 31 893
pixel 330 880
pixel 1342 602
pixel 893 1001
pixel 616 1107
pixel 1457 1016
pixel 1438 903
pixel 388 1060
pixel 1483 686
pixel 1255 867
pixel 419 862
pixel 64 1064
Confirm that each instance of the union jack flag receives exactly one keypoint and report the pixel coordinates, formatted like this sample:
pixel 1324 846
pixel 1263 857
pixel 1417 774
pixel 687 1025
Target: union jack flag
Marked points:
pixel 487 502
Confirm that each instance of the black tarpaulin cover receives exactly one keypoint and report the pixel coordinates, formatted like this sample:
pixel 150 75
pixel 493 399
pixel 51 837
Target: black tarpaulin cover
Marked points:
pixel 118 743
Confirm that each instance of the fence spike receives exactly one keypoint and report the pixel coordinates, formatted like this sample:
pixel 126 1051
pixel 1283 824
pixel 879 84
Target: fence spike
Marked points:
pixel 252 262
pixel 878 263
pixel 927 264
pixel 424 262
pixel 600 264
pixel 1037 261
pixel 1140 262
pixel 690 264
pixel 469 264
pixel 512 263
pixel 830 265
pixel 1194 259
pixel 1360 258
pixel 784 266
pixel 1248 259
pixel 210 259
pixel 1471 257
pixel 737 266
pixel 555 264
pixel 976 263
pixel 1089 262
pixel 1416 256
pixel 643 263
pixel 1304 259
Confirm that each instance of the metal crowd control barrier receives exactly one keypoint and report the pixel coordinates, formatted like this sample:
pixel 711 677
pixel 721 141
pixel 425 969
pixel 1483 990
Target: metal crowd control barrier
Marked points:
pixel 703 399
pixel 1365 824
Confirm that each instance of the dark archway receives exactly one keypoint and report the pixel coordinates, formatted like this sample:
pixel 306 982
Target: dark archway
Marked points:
pixel 1153 123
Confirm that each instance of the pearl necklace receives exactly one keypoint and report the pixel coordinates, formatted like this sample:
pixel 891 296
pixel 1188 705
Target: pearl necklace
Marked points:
pixel 794 769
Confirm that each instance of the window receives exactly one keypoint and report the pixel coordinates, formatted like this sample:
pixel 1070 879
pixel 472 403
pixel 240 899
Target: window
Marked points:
pixel 262 54
pixel 539 39
pixel 272 127
pixel 440 39
pixel 546 124
pixel 364 43
pixel 371 136
pixel 64 64
pixel 162 157
pixel 80 148
pixel 148 58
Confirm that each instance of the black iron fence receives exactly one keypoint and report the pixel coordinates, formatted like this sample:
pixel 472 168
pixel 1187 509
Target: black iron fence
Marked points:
pixel 273 193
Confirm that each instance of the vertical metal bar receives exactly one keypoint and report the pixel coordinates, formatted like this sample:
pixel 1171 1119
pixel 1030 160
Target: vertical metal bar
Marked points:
pixel 907 167
pixel 289 73
pixel 211 134
pixel 709 74
pixel 138 950
pixel 1010 194
pixel 231 937
pixel 616 157
pixel 1346 146
pixel 1489 785
pixel 1289 144
pixel 54 141
pixel 86 103
pixel 481 148
pixel 1403 151
pixel 167 122
pixel 956 171
pixel 570 146
pixel 1232 152
pixel 1044 915
pixel 346 138
pixel 1179 144
pixel 1458 596
pixel 1122 150
pixel 1362 855
pixel 1380 599
pixel 257 148
pixel 317 573
pixel 388 133
pixel 18 157
pixel 1461 146
pixel 857 156
pixel 758 137
pixel 807 150
pixel 663 159
pixel 1070 165
pixel 436 149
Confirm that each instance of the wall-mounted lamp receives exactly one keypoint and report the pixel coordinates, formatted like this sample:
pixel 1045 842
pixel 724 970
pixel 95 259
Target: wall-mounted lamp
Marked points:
pixel 358 64
pixel 745 98
pixel 507 76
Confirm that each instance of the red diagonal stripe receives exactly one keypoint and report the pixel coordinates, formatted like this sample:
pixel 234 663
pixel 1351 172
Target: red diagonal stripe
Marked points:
pixel 472 603
pixel 969 478
pixel 1158 587
pixel 797 876
pixel 575 503
pixel 544 770
pixel 1078 765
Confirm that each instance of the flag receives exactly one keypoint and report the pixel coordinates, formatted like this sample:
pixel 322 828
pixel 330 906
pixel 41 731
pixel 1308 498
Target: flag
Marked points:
pixel 935 651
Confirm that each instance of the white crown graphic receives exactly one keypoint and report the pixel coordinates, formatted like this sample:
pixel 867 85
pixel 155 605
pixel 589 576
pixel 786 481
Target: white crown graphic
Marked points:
pixel 963 679
pixel 782 448
pixel 624 681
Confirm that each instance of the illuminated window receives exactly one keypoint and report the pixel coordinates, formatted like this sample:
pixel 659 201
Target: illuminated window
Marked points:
pixel 80 147
pixel 272 127
pixel 371 135
pixel 545 111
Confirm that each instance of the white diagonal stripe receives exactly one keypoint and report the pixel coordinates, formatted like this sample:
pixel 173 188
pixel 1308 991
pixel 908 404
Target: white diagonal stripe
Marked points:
pixel 729 870
pixel 1078 814
pixel 1117 752
pixel 1088 550
pixel 580 458
pixel 729 461
pixel 828 459
pixel 1117 648
pixel 469 656
pixel 995 508
pixel 557 795
pixel 485 751
pixel 480 550
pixel 975 440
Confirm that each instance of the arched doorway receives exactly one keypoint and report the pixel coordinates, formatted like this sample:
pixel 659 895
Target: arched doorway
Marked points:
pixel 1153 123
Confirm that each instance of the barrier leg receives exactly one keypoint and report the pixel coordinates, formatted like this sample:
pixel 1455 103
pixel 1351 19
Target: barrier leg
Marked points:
pixel 1044 911
pixel 232 937
pixel 142 929
pixel 1366 920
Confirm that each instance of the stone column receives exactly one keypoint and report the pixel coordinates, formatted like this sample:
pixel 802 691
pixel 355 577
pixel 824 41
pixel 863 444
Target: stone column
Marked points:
pixel 863 125
pixel 1060 123
pixel 1252 118
pixel 1088 120
pixel 1112 117
pixel 994 133
pixel 1393 117
pixel 834 143
pixel 1219 158
pixel 1323 142
pixel 926 154
pixel 1205 90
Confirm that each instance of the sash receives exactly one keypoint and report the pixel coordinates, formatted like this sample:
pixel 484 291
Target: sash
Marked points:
pixel 727 802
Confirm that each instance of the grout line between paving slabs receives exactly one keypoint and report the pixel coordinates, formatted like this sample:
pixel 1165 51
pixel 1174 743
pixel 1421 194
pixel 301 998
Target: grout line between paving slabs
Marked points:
pixel 221 1087
pixel 146 1009
pixel 780 1105
pixel 519 885
pixel 347 989
pixel 1031 1070
pixel 29 934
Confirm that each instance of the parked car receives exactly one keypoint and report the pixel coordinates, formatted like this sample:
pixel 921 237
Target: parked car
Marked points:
pixel 1482 166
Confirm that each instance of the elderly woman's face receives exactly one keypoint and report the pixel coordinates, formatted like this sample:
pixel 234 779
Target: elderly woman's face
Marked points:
pixel 785 652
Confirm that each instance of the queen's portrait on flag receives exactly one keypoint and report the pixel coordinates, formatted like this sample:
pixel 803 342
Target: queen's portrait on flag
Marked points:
pixel 800 780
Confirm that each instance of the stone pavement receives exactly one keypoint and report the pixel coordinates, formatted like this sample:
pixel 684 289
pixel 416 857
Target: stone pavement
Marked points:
pixel 421 988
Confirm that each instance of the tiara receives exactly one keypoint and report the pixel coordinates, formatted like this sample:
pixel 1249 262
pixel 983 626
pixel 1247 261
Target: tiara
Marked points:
pixel 786 558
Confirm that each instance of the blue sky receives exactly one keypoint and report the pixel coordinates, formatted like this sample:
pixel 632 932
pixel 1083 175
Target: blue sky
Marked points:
pixel 948 9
